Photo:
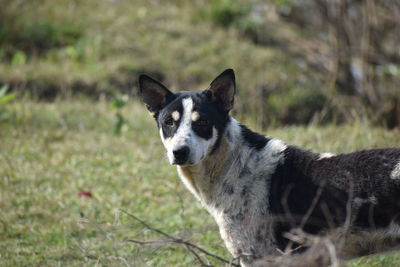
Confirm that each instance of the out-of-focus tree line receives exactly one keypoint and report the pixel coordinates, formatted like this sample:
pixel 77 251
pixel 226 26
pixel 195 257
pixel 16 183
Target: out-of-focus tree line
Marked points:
pixel 297 61
pixel 359 47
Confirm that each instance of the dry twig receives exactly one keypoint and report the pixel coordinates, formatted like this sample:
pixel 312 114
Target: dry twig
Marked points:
pixel 171 239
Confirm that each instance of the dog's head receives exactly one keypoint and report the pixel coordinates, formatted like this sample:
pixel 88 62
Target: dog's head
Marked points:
pixel 191 123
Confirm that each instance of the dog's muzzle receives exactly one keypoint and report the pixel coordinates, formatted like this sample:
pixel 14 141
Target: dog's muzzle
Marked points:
pixel 181 155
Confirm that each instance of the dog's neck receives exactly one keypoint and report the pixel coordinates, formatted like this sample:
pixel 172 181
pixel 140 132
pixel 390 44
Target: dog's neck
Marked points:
pixel 206 178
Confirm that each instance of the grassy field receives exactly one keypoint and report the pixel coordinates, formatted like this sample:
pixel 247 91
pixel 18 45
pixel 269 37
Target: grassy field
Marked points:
pixel 50 153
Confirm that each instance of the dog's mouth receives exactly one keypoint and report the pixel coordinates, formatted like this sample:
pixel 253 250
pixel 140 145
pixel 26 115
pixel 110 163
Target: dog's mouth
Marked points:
pixel 178 162
pixel 182 163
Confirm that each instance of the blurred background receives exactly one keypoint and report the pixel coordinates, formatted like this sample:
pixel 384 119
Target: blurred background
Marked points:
pixel 297 61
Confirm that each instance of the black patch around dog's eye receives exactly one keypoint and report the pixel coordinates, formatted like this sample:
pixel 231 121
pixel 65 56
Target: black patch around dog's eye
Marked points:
pixel 202 122
pixel 202 130
pixel 208 110
pixel 168 131
pixel 169 121
pixel 203 126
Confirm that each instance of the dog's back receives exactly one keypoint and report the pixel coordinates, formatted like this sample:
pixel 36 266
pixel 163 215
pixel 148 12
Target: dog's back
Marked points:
pixel 317 192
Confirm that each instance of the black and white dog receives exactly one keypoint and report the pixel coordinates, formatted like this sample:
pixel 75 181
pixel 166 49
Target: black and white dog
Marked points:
pixel 258 188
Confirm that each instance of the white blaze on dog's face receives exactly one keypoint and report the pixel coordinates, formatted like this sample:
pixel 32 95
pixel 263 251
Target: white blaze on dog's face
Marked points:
pixel 188 137
pixel 190 123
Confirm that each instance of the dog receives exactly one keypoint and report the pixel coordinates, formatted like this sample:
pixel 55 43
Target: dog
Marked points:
pixel 259 188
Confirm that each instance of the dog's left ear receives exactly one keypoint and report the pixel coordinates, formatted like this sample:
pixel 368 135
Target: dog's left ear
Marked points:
pixel 153 94
pixel 223 89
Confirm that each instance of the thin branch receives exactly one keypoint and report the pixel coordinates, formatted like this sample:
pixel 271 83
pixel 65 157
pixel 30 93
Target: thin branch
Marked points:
pixel 332 253
pixel 198 257
pixel 149 242
pixel 313 206
pixel 174 240
pixel 169 241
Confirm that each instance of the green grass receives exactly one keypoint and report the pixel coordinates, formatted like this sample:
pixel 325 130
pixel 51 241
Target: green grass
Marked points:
pixel 49 152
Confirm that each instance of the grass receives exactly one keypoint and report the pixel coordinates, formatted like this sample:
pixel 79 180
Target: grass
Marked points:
pixel 50 152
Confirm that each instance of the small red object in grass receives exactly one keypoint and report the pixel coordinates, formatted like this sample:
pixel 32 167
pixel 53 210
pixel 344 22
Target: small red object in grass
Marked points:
pixel 85 194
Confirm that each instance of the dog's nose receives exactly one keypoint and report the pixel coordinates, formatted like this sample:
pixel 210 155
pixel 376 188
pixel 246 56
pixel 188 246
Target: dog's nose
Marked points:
pixel 181 154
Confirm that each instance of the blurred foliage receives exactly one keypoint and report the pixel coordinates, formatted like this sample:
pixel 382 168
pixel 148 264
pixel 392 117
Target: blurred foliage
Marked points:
pixel 23 28
pixel 297 62
pixel 4 99
pixel 233 13
pixel 118 103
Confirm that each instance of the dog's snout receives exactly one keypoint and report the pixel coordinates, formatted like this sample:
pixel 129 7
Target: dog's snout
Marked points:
pixel 181 154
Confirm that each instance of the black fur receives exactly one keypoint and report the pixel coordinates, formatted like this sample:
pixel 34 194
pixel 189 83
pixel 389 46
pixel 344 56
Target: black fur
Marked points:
pixel 335 183
pixel 253 139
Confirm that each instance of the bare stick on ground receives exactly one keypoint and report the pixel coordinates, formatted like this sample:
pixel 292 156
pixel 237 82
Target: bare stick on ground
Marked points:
pixel 171 239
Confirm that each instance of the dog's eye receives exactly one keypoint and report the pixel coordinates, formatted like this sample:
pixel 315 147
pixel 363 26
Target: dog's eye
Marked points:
pixel 203 122
pixel 169 121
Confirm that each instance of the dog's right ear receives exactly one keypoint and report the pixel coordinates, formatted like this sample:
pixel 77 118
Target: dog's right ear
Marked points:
pixel 153 94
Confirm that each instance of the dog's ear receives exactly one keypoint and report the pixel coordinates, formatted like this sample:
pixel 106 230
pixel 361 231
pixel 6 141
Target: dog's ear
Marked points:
pixel 223 89
pixel 153 94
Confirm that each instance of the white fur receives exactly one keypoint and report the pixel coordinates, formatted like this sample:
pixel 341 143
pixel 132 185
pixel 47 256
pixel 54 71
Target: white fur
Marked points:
pixel 326 155
pixel 396 172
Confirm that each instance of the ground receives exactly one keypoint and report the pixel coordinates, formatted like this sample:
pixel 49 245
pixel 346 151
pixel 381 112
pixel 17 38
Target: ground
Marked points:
pixel 66 178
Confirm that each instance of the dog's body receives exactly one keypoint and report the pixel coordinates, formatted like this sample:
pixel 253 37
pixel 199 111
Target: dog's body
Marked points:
pixel 259 188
